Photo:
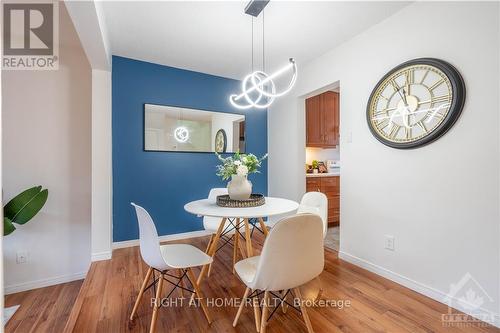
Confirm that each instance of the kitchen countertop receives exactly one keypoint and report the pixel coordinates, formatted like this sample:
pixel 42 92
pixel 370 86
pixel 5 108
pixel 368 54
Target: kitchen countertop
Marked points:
pixel 331 173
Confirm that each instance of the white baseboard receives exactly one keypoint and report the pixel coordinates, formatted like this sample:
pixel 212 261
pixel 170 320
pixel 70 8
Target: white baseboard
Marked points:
pixel 166 238
pixel 106 255
pixel 15 288
pixel 412 284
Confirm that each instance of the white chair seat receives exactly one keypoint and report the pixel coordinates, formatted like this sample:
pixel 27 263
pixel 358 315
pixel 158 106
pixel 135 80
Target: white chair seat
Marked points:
pixel 184 256
pixel 247 268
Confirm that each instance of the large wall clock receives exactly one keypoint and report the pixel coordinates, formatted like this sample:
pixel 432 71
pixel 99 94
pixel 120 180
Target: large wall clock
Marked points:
pixel 415 103
pixel 220 141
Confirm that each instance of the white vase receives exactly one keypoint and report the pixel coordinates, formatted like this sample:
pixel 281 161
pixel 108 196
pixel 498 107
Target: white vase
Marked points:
pixel 239 188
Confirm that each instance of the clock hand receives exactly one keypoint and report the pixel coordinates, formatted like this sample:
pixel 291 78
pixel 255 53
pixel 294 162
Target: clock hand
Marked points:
pixel 404 99
pixel 399 92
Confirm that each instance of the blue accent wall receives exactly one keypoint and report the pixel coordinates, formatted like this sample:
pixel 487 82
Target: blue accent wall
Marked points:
pixel 162 182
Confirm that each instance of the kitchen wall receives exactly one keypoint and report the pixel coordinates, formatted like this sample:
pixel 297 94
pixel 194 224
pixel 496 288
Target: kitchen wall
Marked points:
pixel 47 141
pixel 440 202
pixel 320 154
pixel 163 182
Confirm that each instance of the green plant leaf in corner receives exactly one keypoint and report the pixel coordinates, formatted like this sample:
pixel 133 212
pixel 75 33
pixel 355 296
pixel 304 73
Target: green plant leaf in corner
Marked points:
pixel 8 227
pixel 26 205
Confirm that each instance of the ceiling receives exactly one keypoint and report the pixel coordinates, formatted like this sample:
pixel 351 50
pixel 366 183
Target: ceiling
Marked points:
pixel 215 37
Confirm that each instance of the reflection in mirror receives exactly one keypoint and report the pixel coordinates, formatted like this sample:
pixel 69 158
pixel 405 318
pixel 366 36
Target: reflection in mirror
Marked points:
pixel 169 128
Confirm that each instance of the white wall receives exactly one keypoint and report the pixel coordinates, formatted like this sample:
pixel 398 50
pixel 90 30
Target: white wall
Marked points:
pixel 441 202
pixel 47 141
pixel 101 166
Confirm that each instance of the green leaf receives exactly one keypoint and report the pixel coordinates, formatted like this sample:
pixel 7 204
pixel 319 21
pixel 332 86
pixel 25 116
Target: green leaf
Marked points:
pixel 8 227
pixel 26 205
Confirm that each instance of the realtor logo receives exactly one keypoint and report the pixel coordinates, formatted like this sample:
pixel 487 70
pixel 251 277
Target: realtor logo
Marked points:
pixel 469 296
pixel 30 36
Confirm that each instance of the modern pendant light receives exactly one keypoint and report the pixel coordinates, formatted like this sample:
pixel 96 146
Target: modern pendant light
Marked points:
pixel 181 133
pixel 258 89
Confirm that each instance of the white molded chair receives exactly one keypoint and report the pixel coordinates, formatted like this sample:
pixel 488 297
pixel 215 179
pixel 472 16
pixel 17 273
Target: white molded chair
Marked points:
pixel 292 256
pixel 162 258
pixel 212 223
pixel 316 203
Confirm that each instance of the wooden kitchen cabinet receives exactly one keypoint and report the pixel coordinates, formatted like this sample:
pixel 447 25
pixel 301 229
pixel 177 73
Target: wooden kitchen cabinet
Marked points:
pixel 330 186
pixel 322 120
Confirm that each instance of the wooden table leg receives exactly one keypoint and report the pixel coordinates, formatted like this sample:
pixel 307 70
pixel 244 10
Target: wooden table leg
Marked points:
pixel 248 238
pixel 236 243
pixel 263 226
pixel 213 248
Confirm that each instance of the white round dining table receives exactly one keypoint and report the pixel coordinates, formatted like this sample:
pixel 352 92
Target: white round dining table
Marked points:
pixel 271 207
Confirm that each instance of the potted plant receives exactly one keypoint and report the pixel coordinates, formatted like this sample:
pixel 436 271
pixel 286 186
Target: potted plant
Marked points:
pixel 315 166
pixel 23 207
pixel 238 167
pixel 19 210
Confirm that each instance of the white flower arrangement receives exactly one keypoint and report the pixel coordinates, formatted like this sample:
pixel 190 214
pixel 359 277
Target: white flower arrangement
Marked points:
pixel 242 170
pixel 238 164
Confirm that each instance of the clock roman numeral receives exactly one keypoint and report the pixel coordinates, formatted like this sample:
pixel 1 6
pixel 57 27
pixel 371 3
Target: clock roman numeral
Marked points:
pixel 394 85
pixel 393 132
pixel 443 98
pixel 423 77
pixel 422 126
pixel 435 85
pixel 431 115
pixel 408 131
pixel 382 124
pixel 410 76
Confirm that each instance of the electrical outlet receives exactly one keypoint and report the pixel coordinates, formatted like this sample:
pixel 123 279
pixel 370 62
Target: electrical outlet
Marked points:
pixel 389 242
pixel 22 257
pixel 349 137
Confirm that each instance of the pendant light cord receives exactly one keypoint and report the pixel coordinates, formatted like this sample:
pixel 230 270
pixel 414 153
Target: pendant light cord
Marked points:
pixel 263 45
pixel 252 44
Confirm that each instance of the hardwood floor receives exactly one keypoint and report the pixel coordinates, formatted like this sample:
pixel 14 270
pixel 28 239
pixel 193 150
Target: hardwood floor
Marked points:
pixel 44 309
pixel 377 304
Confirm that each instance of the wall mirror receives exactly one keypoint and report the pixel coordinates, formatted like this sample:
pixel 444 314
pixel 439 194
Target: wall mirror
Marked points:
pixel 170 128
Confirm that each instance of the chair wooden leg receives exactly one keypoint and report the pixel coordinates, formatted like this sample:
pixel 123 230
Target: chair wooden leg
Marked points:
pixel 303 309
pixel 156 304
pixel 141 292
pixel 209 269
pixel 196 288
pixel 181 282
pixel 265 312
pixel 256 312
pixel 208 248
pixel 242 305
pixel 284 306
pixel 211 250
pixel 209 243
pixel 320 291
